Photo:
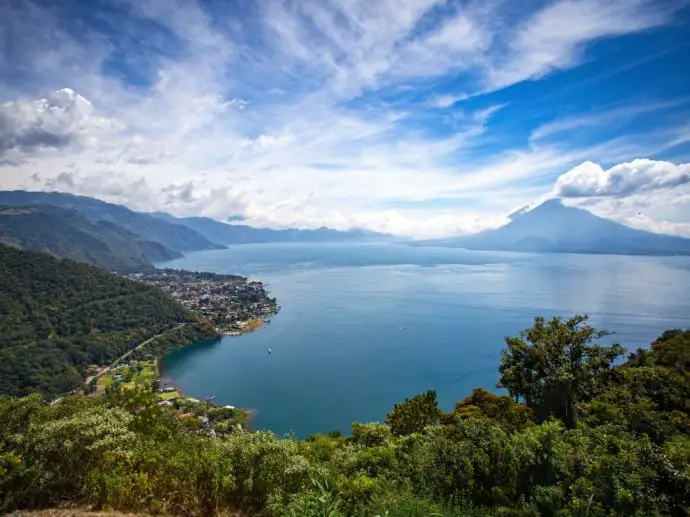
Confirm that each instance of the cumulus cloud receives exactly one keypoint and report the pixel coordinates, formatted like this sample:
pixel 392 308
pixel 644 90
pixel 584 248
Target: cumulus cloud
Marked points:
pixel 591 180
pixel 61 119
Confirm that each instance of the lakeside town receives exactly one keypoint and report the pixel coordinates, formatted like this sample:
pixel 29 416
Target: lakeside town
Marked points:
pixel 233 303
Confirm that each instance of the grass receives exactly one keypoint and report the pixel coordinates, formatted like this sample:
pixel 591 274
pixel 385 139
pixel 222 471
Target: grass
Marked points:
pixel 146 376
pixel 169 395
pixel 253 324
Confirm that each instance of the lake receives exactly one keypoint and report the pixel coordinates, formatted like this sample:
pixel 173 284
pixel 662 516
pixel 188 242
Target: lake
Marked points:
pixel 365 326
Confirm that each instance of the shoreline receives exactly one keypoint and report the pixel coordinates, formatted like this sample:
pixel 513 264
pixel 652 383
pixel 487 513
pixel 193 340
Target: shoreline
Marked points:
pixel 253 325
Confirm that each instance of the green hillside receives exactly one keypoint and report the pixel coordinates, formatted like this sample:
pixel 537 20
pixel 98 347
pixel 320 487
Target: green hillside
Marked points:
pixel 594 438
pixel 65 233
pixel 59 316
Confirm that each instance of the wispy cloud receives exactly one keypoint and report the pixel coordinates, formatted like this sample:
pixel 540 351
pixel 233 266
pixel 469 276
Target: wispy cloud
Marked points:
pixel 308 113
pixel 603 117
pixel 446 100
pixel 556 36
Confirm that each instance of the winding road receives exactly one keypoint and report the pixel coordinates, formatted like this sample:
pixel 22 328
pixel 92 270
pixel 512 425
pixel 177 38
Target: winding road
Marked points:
pixel 122 357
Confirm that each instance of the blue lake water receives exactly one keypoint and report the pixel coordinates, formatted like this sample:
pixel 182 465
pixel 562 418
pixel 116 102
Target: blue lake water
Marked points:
pixel 364 326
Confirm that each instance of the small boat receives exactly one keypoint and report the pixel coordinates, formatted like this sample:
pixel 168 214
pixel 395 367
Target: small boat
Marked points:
pixel 269 350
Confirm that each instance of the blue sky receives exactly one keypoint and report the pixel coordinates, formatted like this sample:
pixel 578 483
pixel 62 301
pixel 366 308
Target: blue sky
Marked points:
pixel 421 117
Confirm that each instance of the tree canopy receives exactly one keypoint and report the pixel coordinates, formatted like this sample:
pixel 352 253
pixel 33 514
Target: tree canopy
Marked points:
pixel 555 364
pixel 413 415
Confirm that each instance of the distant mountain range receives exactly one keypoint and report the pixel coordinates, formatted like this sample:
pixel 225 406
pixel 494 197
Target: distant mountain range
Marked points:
pixel 115 237
pixel 65 233
pixel 554 227
pixel 224 233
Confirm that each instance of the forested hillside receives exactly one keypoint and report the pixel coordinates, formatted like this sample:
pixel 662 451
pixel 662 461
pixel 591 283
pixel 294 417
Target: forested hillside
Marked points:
pixel 59 316
pixel 65 233
pixel 591 438
pixel 173 236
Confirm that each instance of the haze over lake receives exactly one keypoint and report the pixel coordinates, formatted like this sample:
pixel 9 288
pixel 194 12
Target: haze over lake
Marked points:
pixel 364 326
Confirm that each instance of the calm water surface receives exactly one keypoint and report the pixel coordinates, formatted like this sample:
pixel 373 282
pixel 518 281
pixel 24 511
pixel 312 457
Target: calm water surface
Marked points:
pixel 364 326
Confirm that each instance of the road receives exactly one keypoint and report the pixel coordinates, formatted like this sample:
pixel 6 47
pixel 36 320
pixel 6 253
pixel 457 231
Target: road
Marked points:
pixel 121 358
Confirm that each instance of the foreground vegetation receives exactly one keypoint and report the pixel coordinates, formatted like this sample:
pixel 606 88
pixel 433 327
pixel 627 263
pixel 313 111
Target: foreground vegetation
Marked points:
pixel 591 437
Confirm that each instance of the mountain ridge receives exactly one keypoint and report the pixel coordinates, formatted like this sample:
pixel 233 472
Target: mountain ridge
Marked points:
pixel 66 233
pixel 226 233
pixel 176 237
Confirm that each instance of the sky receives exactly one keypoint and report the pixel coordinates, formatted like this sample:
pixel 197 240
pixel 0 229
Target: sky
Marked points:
pixel 422 118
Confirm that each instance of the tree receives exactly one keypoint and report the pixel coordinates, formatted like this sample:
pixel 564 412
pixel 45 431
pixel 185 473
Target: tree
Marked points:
pixel 554 365
pixel 510 415
pixel 413 415
pixel 672 350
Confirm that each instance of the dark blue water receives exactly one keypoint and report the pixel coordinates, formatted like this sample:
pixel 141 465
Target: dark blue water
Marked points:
pixel 364 326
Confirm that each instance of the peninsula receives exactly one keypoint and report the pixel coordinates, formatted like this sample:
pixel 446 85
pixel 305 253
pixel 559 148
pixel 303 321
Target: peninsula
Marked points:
pixel 232 303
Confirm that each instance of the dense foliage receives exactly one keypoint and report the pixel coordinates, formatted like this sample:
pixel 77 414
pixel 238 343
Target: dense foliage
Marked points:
pixel 57 317
pixel 623 449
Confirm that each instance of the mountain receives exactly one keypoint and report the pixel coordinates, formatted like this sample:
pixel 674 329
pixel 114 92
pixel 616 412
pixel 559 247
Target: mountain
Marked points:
pixel 65 233
pixel 224 233
pixel 59 316
pixel 554 227
pixel 176 237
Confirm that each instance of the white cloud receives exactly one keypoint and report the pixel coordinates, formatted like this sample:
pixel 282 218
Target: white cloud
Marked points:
pixel 446 101
pixel 660 211
pixel 643 222
pixel 61 119
pixel 555 37
pixel 591 180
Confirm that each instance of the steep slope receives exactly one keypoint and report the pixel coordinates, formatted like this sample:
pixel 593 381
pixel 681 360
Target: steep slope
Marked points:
pixel 59 316
pixel 66 233
pixel 553 227
pixel 174 236
pixel 224 233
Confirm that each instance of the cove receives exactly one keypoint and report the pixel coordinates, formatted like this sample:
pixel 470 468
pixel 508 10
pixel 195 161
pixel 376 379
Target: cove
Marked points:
pixel 364 326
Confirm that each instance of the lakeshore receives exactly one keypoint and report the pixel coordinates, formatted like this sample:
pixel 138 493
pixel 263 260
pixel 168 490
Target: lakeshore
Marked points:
pixel 223 305
pixel 202 416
